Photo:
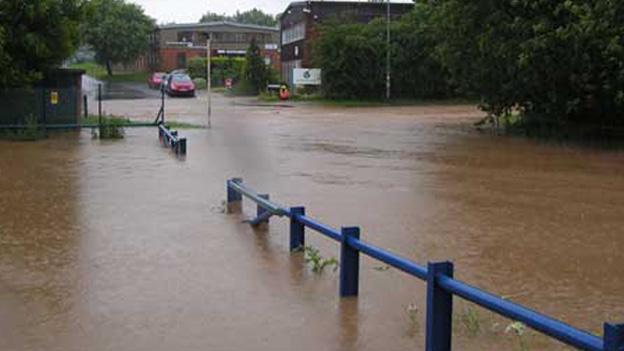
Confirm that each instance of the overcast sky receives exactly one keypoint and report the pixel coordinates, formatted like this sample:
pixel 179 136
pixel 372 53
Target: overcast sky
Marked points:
pixel 186 11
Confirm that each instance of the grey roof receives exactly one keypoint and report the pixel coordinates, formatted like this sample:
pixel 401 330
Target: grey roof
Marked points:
pixel 216 24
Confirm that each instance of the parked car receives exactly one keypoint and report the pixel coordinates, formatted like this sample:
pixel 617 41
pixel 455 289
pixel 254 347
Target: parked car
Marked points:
pixel 155 80
pixel 180 85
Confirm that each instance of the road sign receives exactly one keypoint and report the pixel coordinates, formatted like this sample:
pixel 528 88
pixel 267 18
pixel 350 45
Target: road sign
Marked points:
pixel 54 97
pixel 307 76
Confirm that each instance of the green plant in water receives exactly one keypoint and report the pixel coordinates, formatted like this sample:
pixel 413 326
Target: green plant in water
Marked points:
pixel 112 128
pixel 30 132
pixel 318 262
pixel 470 320
pixel 519 330
pixel 412 313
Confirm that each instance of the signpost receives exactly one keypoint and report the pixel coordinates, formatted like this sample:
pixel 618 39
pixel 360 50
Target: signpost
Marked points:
pixel 54 97
pixel 306 76
pixel 209 77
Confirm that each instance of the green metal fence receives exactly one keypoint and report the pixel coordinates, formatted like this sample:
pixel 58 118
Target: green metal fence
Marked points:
pixel 45 106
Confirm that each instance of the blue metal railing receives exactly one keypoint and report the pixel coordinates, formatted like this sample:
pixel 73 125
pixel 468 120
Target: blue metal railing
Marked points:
pixel 439 277
pixel 171 139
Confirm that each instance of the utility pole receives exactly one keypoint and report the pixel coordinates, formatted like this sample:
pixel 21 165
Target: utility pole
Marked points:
pixel 388 82
pixel 209 76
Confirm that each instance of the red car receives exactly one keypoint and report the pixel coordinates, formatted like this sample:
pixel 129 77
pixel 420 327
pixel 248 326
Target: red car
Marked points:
pixel 155 80
pixel 180 85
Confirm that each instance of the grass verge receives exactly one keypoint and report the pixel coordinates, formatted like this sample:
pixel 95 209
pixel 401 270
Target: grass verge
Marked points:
pixel 317 99
pixel 99 72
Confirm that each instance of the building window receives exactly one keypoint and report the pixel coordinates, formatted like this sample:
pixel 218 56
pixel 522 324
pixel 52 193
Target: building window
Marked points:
pixel 181 60
pixel 293 34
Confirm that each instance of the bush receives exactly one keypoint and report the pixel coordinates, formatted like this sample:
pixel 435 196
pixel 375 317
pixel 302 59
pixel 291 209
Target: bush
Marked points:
pixel 558 63
pixel 256 73
pixel 112 128
pixel 353 60
pixel 222 68
pixel 200 83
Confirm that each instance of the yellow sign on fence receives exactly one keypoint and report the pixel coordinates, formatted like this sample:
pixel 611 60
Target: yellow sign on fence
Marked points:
pixel 54 97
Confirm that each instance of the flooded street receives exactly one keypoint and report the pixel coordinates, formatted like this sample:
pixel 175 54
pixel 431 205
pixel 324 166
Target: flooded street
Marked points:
pixel 121 246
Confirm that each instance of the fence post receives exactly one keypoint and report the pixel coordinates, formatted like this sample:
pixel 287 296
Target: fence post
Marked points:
pixel 439 308
pixel 233 195
pixel 100 105
pixel 85 107
pixel 613 337
pixel 349 263
pixel 181 150
pixel 297 229
pixel 261 210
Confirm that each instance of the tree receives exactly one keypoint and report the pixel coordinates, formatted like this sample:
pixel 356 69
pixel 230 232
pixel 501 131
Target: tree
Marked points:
pixel 353 60
pixel 253 16
pixel 256 74
pixel 118 31
pixel 35 37
pixel 214 17
pixel 559 63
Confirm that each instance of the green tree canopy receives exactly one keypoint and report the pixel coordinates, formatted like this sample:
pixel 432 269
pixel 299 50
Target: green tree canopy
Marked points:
pixel 557 62
pixel 118 31
pixel 253 16
pixel 256 74
pixel 36 36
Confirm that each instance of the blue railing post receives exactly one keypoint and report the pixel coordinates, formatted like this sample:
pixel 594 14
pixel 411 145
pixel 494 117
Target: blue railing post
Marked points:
pixel 439 308
pixel 613 337
pixel 349 263
pixel 261 210
pixel 181 147
pixel 297 229
pixel 233 195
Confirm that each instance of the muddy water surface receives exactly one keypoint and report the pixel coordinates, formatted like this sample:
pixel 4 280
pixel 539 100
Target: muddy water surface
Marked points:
pixel 119 246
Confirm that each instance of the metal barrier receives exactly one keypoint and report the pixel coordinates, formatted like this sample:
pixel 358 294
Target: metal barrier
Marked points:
pixel 439 278
pixel 171 139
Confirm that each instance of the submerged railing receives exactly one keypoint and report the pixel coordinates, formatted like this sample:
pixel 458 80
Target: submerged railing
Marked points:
pixel 171 139
pixel 441 286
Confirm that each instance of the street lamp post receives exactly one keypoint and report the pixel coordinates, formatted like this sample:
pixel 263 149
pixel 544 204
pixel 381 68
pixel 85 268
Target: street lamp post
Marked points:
pixel 388 82
pixel 209 76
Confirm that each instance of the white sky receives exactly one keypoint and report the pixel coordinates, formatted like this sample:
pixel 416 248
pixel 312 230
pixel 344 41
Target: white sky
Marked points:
pixel 187 11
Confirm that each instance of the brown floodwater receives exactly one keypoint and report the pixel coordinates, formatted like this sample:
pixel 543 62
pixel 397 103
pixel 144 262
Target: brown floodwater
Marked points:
pixel 120 246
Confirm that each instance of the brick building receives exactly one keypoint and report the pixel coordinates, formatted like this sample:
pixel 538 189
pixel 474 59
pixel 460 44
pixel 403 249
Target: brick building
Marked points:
pixel 300 21
pixel 173 45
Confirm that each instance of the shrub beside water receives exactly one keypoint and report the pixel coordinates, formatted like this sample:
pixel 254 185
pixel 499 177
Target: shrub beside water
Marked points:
pixel 112 128
pixel 30 132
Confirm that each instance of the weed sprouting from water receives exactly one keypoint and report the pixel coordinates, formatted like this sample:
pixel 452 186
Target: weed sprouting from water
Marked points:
pixel 519 330
pixel 112 128
pixel 412 314
pixel 318 262
pixel 470 320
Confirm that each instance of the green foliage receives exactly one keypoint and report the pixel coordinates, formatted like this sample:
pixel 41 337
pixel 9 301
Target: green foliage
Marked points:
pixel 253 16
pixel 36 36
pixel 471 321
pixel 92 69
pixel 117 31
pixel 200 83
pixel 318 262
pixel 31 132
pixel 353 58
pixel 222 68
pixel 112 128
pixel 256 73
pixel 558 63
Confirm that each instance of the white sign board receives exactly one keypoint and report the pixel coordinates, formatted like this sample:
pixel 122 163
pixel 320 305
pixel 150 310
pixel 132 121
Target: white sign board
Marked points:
pixel 305 76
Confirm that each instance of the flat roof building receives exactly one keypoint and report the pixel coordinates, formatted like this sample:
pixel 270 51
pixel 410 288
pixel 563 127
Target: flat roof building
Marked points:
pixel 173 45
pixel 299 26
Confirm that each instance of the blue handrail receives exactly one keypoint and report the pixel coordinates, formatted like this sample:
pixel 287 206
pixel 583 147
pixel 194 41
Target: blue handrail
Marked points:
pixel 171 139
pixel 440 283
